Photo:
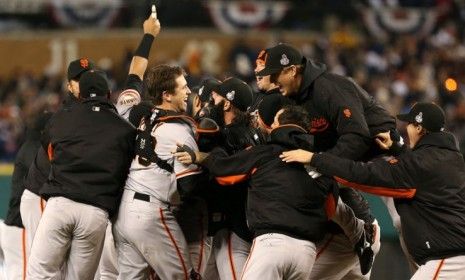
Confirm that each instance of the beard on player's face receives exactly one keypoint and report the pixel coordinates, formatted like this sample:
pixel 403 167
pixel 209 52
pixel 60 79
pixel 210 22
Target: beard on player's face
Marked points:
pixel 216 112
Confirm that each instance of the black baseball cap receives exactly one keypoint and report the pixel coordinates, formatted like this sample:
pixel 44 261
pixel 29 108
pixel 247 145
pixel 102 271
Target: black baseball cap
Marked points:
pixel 270 106
pixel 426 114
pixel 206 87
pixel 93 83
pixel 278 57
pixel 237 92
pixel 79 66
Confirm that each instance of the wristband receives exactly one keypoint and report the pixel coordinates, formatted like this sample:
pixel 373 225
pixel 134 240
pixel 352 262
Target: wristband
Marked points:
pixel 143 50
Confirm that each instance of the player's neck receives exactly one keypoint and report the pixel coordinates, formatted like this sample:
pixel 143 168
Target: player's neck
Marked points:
pixel 166 106
pixel 228 117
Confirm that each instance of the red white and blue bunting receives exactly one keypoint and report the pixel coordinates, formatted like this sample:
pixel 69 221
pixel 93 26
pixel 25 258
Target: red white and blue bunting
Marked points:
pixel 235 16
pixel 76 13
pixel 386 21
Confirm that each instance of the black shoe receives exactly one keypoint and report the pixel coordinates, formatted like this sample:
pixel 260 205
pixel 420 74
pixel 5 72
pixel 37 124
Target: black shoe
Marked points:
pixel 363 248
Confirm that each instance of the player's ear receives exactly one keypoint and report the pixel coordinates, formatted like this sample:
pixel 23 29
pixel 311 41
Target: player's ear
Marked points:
pixel 294 70
pixel 227 105
pixel 166 96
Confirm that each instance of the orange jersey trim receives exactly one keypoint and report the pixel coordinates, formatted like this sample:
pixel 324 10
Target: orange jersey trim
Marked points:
pixel 202 244
pixel 231 260
pixel 181 259
pixel 42 206
pixel 188 172
pixel 50 151
pixel 23 243
pixel 248 259
pixel 234 179
pixel 438 269
pixel 376 190
pixel 318 254
pixel 330 206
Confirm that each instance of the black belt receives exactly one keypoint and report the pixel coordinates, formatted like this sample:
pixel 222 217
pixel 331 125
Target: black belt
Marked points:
pixel 142 196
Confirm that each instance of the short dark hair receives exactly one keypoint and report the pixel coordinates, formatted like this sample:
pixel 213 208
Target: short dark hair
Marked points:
pixel 295 115
pixel 241 117
pixel 162 78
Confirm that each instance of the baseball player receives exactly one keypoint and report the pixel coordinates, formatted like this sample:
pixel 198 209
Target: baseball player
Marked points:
pixel 14 243
pixel 193 213
pixel 428 194
pixel 286 218
pixel 344 121
pixel 205 93
pixel 146 231
pixel 265 86
pixel 2 257
pixel 343 214
pixel 90 148
pixel 12 240
pixel 227 222
pixel 129 98
pixel 32 205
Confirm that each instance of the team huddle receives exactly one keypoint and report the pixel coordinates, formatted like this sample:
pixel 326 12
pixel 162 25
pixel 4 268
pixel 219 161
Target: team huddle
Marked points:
pixel 224 183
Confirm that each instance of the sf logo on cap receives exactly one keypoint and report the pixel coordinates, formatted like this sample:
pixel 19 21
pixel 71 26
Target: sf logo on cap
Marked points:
pixel 284 60
pixel 419 117
pixel 230 95
pixel 201 90
pixel 84 62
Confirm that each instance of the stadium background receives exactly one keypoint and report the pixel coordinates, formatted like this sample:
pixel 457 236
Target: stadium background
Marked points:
pixel 401 52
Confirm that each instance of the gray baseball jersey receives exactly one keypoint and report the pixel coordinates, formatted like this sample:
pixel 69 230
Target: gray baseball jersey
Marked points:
pixel 146 231
pixel 157 182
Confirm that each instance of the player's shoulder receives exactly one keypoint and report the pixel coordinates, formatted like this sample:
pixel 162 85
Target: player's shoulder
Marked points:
pixel 128 97
pixel 175 129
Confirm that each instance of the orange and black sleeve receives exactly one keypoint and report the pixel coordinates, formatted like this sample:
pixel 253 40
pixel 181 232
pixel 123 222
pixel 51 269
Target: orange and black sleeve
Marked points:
pixel 233 169
pixel 393 178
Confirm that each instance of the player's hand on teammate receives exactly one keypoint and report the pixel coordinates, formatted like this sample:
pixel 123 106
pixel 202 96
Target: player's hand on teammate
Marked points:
pixel 384 140
pixel 187 156
pixel 299 155
pixel 152 26
pixel 184 154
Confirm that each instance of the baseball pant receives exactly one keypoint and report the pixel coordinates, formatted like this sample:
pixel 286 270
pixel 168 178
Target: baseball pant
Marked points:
pixel 210 272
pixel 336 258
pixel 12 242
pixel 355 273
pixel 68 228
pixel 449 268
pixel 31 208
pixel 2 258
pixel 108 265
pixel 228 256
pixel 147 233
pixel 192 218
pixel 351 225
pixel 278 256
pixel 389 202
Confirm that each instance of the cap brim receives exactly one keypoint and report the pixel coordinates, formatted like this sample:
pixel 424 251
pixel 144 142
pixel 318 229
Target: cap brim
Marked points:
pixel 216 88
pixel 268 71
pixel 405 118
pixel 77 75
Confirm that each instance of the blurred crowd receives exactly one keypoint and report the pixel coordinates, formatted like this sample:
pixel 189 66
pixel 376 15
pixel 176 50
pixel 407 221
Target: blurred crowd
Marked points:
pixel 398 71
